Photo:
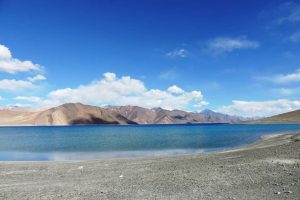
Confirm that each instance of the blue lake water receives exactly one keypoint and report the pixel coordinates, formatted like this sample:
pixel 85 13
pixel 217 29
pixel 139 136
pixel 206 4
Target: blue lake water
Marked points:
pixel 102 142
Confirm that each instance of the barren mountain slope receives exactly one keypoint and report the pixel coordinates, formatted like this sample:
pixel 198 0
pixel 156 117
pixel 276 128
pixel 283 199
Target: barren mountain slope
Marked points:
pixel 285 118
pixel 66 114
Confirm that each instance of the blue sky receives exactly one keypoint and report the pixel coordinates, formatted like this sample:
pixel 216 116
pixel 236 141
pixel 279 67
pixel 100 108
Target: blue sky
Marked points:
pixel 237 57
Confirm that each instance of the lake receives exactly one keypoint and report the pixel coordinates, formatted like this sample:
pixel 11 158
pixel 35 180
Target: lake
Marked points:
pixel 113 141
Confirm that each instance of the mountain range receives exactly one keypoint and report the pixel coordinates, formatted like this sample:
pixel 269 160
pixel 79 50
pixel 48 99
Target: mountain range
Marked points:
pixel 162 116
pixel 80 114
pixel 77 113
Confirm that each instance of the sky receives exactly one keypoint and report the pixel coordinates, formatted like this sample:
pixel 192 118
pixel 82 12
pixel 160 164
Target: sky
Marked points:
pixel 236 57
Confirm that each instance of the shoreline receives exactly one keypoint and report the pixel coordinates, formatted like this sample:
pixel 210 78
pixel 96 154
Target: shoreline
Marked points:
pixel 268 169
pixel 264 141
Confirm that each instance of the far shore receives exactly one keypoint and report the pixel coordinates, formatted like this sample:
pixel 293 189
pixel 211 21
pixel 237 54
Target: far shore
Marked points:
pixel 72 125
pixel 182 124
pixel 268 169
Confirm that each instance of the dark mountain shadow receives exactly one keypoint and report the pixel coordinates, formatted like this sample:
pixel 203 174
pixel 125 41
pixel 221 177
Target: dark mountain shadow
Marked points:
pixel 91 120
pixel 96 120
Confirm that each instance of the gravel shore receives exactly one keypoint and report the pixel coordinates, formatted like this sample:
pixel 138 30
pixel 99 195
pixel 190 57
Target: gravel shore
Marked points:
pixel 269 169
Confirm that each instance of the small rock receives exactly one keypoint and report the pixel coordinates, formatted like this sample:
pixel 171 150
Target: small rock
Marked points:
pixel 288 192
pixel 80 167
pixel 121 176
pixel 277 192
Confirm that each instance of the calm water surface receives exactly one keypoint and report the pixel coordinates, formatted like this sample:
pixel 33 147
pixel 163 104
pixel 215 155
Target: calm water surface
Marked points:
pixel 101 142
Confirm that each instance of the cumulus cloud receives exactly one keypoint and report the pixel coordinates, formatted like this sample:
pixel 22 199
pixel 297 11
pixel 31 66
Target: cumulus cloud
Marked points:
pixel 15 85
pixel 175 89
pixel 38 77
pixel 178 53
pixel 222 45
pixel 13 65
pixel 33 99
pixel 284 78
pixel 260 108
pixel 109 76
pixel 125 90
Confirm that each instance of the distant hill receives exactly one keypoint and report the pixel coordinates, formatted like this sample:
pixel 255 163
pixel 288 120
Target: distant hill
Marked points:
pixel 66 114
pixel 222 118
pixel 292 117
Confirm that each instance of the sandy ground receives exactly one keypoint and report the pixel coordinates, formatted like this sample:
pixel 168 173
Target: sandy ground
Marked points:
pixel 269 169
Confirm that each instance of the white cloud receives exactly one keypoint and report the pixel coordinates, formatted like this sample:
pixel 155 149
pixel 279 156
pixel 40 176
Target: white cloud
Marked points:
pixel 33 99
pixel 125 90
pixel 13 65
pixel 295 37
pixel 38 77
pixel 15 85
pixel 178 53
pixel 284 78
pixel 226 45
pixel 17 106
pixel 4 52
pixel 201 104
pixel 109 76
pixel 260 108
pixel 175 90
pixel 1 98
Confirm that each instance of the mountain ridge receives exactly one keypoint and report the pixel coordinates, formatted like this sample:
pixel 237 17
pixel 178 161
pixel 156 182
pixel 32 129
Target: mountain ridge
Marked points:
pixel 162 116
pixel 292 117
pixel 80 114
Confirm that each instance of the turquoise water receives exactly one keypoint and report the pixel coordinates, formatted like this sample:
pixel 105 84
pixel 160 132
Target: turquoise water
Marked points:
pixel 99 142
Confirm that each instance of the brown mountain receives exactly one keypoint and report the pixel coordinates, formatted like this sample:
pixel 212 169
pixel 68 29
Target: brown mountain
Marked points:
pixel 162 116
pixel 285 118
pixel 135 113
pixel 67 114
pixel 158 115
